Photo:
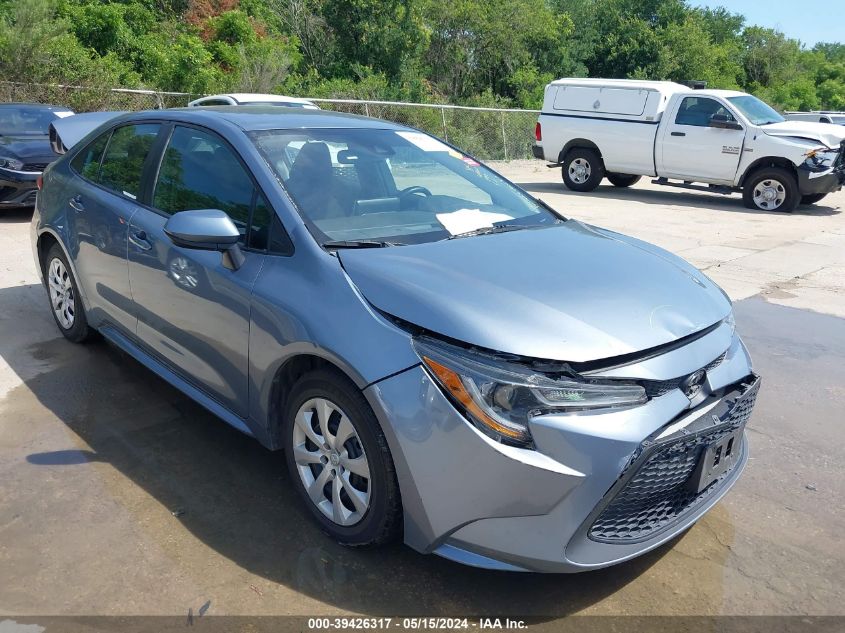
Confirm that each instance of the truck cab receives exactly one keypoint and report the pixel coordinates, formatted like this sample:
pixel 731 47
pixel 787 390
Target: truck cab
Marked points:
pixel 722 141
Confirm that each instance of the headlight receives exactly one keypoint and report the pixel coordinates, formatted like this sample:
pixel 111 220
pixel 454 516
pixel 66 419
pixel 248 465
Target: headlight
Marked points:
pixel 11 163
pixel 499 397
pixel 821 158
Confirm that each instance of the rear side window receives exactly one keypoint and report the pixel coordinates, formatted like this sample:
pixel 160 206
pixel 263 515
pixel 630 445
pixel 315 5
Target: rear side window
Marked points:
pixel 87 162
pixel 697 111
pixel 124 158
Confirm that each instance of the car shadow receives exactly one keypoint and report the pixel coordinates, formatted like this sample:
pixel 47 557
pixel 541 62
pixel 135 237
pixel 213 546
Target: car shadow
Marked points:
pixel 235 496
pixel 673 197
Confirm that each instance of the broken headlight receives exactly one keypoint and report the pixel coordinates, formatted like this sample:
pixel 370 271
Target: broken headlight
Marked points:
pixel 499 397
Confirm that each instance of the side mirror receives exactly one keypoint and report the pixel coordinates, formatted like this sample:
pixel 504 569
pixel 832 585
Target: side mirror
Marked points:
pixel 208 230
pixel 724 122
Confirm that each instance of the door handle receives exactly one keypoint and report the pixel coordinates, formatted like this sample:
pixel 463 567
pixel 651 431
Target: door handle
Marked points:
pixel 678 133
pixel 139 239
pixel 76 203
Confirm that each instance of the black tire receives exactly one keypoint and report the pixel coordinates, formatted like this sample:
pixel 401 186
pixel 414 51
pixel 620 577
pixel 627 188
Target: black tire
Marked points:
pixel 781 181
pixel 582 158
pixel 622 180
pixel 812 198
pixel 79 331
pixel 382 520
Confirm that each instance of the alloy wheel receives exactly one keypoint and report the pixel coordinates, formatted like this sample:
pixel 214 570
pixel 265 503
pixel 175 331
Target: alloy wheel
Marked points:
pixel 61 293
pixel 331 461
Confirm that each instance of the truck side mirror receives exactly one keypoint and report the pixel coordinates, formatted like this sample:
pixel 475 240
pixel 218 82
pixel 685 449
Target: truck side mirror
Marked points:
pixel 724 122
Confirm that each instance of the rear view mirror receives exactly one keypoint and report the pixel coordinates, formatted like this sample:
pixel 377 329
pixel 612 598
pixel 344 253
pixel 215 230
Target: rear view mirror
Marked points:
pixel 209 230
pixel 723 121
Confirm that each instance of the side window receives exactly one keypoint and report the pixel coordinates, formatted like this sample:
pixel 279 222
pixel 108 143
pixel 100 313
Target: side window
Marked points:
pixel 698 110
pixel 199 171
pixel 259 225
pixel 87 162
pixel 124 159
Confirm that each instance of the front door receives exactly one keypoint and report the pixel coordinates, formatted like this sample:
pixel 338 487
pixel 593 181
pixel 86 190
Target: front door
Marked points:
pixel 690 149
pixel 193 312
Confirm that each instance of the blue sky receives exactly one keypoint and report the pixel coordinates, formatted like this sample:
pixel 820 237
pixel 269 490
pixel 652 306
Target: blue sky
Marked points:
pixel 810 21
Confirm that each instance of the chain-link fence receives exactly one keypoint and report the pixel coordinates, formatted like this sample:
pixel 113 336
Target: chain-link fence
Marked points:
pixel 487 133
pixel 92 98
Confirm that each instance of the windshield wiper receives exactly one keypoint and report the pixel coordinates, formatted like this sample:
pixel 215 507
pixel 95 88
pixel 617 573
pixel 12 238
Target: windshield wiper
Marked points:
pixel 358 244
pixel 488 230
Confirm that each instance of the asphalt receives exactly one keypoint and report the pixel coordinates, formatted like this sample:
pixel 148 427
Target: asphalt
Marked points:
pixel 120 496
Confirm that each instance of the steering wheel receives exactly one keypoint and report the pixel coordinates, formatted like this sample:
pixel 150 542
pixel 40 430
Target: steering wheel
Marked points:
pixel 414 190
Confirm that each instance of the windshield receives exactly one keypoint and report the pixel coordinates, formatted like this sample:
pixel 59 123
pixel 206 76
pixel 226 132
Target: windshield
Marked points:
pixel 756 111
pixel 23 120
pixel 392 186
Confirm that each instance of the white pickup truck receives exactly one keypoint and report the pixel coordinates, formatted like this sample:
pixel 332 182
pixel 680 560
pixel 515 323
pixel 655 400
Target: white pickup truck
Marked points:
pixel 721 141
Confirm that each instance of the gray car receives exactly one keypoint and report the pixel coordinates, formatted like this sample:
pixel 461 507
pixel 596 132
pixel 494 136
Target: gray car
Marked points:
pixel 441 357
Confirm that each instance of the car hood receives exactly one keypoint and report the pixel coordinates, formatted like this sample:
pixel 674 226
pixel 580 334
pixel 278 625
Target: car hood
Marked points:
pixel 826 133
pixel 27 148
pixel 571 292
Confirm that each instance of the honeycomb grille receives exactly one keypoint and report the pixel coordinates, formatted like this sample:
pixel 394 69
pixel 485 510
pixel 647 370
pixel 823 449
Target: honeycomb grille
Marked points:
pixel 657 388
pixel 656 495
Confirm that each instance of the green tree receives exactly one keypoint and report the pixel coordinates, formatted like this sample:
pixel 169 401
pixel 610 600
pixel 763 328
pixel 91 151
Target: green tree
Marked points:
pixel 386 35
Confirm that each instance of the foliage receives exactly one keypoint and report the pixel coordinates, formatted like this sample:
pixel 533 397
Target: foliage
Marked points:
pixel 491 52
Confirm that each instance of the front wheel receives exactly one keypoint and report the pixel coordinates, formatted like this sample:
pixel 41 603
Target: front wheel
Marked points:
pixel 622 180
pixel 339 461
pixel 812 198
pixel 582 170
pixel 771 189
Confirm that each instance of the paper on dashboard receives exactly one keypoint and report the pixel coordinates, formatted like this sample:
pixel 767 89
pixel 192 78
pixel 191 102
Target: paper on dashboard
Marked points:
pixel 466 220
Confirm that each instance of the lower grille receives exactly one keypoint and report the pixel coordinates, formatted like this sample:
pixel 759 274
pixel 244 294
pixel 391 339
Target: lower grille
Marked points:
pixel 35 166
pixel 656 495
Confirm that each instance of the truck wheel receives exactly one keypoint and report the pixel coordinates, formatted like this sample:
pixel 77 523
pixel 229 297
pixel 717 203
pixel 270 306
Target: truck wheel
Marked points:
pixel 812 198
pixel 771 189
pixel 582 170
pixel 622 180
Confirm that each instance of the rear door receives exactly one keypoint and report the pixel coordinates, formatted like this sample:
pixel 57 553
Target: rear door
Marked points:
pixel 689 148
pixel 100 201
pixel 193 312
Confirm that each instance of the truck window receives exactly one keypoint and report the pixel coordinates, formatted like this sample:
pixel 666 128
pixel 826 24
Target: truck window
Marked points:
pixel 698 110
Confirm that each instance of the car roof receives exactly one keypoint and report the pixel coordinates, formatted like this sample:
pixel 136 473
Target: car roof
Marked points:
pixel 244 97
pixel 254 118
pixel 720 93
pixel 247 97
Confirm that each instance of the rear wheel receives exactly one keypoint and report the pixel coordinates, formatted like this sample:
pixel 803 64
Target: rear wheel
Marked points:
pixel 812 198
pixel 582 169
pixel 771 189
pixel 339 460
pixel 622 180
pixel 65 301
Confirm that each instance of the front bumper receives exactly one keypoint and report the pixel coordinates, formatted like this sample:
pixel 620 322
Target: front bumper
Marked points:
pixel 18 188
pixel 482 503
pixel 814 180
